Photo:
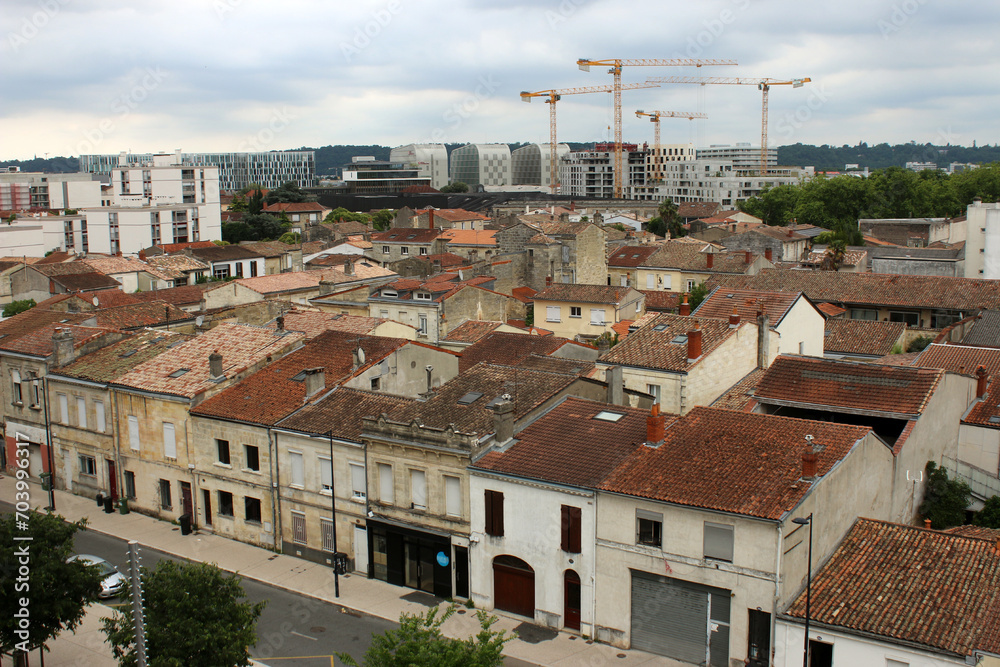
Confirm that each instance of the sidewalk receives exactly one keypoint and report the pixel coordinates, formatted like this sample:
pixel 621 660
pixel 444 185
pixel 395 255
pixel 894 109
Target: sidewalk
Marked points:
pixel 358 593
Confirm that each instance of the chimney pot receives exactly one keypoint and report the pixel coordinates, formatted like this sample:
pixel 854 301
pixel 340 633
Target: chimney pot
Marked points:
pixel 503 419
pixel 655 425
pixel 315 381
pixel 927 524
pixel 548 281
pixel 810 463
pixel 215 365
pixel 789 232
pixel 710 260
pixel 694 344
pixel 747 257
pixel 768 254
pixel 281 322
pixel 734 319
pixel 616 392
pixel 62 346
pixel 348 267
pixel 430 219
pixel 982 379
pixel 685 308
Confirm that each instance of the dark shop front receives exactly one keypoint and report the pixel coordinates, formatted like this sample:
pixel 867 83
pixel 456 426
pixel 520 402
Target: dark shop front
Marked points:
pixel 417 559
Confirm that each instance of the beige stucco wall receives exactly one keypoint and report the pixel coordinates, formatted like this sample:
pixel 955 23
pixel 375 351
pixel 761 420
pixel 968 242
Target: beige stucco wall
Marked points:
pixel 801 330
pixel 404 372
pixel 230 294
pixel 569 326
pixel 979 446
pixel 70 440
pixel 475 304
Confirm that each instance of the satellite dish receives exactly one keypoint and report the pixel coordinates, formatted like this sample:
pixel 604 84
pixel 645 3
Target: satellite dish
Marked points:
pixel 96 302
pixel 361 355
pixel 199 320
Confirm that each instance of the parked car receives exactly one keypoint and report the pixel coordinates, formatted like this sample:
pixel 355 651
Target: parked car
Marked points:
pixel 112 581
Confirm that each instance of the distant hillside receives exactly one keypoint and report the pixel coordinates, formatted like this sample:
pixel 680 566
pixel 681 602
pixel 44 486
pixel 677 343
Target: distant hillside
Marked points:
pixel 52 165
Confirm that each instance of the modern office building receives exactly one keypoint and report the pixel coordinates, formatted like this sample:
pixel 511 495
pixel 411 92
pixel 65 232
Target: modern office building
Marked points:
pixel 36 191
pixel 486 165
pixel 236 170
pixel 368 176
pixel 531 164
pixel 430 160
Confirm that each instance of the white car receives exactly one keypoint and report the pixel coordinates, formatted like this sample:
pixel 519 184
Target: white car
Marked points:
pixel 112 581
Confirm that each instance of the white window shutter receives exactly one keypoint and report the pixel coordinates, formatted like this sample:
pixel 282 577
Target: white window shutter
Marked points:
pixel 169 441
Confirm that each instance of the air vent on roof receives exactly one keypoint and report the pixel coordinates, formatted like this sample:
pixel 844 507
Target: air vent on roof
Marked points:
pixel 606 416
pixel 179 372
pixel 175 344
pixel 660 327
pixel 128 354
pixel 298 377
pixel 470 398
pixel 680 340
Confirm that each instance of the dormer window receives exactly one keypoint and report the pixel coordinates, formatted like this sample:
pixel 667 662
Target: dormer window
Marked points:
pixel 425 296
pixel 390 293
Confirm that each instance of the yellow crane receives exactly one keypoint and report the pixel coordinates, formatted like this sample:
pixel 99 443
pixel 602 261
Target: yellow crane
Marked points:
pixel 654 117
pixel 764 85
pixel 616 65
pixel 553 96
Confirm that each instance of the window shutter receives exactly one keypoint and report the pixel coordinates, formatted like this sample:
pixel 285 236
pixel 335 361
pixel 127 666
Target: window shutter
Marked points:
pixel 418 489
pixel 552 313
pixel 575 526
pixel 63 409
pixel 597 316
pixel 169 441
pixel 99 416
pixel 133 432
pixel 298 469
pixel 453 496
pixel 564 528
pixel 494 513
pixel 358 484
pixel 385 486
pixel 325 474
pixel 81 412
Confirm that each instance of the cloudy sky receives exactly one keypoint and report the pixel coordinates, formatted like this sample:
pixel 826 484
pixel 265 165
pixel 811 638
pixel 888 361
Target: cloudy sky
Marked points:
pixel 98 76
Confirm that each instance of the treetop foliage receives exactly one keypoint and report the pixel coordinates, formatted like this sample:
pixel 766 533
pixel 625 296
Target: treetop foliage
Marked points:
pixel 945 500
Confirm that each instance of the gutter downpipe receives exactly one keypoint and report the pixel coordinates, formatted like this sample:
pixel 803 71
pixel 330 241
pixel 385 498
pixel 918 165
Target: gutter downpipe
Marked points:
pixel 275 490
pixel 777 588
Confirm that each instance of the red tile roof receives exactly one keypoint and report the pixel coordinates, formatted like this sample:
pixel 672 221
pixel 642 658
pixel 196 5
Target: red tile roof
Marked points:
pixel 509 348
pixel 524 294
pixel 739 462
pixel 109 363
pixel 631 256
pixel 444 259
pixel 138 315
pixel 470 331
pixel 470 237
pixel 453 214
pixel 295 207
pixel 185 295
pixel 658 300
pixel 741 393
pixel 652 346
pixel 935 589
pixel 721 301
pixel 845 385
pixel 341 412
pixel 224 253
pixel 39 341
pixel 959 358
pixel 406 235
pixel 686 256
pixel 569 446
pixel 608 294
pixel 830 310
pixel 313 322
pixel 272 393
pixel 170 248
pixel 698 209
pixel 112 298
pixel 863 337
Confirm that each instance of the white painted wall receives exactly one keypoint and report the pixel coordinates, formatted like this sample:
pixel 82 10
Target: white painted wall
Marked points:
pixel 801 330
pixel 979 446
pixel 850 650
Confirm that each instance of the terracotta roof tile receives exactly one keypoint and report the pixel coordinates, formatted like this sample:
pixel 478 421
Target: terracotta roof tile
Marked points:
pixel 176 266
pixel 468 237
pixel 741 393
pixel 542 362
pixel 830 310
pixel 568 445
pixel 865 337
pixel 313 322
pixel 848 385
pixel 985 330
pixel 185 295
pixel 630 256
pixel 170 248
pixel 86 282
pixel 273 392
pixel 111 362
pixel 470 331
pixel 295 207
pixel 698 209
pixel 966 359
pixel 721 301
pixel 22 324
pixel 687 256
pixel 608 294
pixel 444 259
pixel 112 298
pixel 39 341
pixel 138 315
pixel 658 300
pixel 224 253
pixel 268 248
pixel 341 412
pixel 453 214
pixel 508 348
pixel 524 294
pixel 653 345
pixel 730 461
pixel 406 235
pixel 911 584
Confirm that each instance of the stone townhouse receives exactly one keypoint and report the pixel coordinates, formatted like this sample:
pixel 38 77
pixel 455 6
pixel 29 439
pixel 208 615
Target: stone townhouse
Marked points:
pixel 82 424
pixel 565 252
pixel 678 266
pixel 235 455
pixel 132 273
pixel 586 311
pixel 512 349
pixel 690 361
pixel 40 281
pixel 230 261
pixel 400 243
pixel 151 407
pixel 278 257
pixel 312 323
pixel 862 340
pixel 915 411
pixel 776 244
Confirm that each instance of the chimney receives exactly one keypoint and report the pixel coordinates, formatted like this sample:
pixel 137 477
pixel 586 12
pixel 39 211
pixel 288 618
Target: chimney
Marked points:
pixel 655 425
pixel 616 392
pixel 142 255
pixel 215 365
pixel 734 319
pixel 747 257
pixel 62 346
pixel 763 336
pixel 789 232
pixel 348 267
pixel 430 379
pixel 315 381
pixel 927 524
pixel 430 219
pixel 694 343
pixel 548 281
pixel 810 461
pixel 503 419
pixel 281 322
pixel 768 254
pixel 685 309
pixel 710 260
pixel 572 206
pixel 981 381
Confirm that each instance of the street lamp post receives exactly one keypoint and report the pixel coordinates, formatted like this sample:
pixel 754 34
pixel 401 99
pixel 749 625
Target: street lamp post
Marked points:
pixel 333 518
pixel 802 522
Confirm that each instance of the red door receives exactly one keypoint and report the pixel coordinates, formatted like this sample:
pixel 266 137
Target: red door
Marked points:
pixel 571 606
pixel 112 480
pixel 513 586
pixel 187 502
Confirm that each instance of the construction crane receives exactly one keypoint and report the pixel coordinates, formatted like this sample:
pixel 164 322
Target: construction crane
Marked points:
pixel 553 96
pixel 654 117
pixel 616 65
pixel 764 85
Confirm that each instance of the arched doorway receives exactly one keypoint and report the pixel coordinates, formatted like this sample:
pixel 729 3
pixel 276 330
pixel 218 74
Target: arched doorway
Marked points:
pixel 571 600
pixel 513 586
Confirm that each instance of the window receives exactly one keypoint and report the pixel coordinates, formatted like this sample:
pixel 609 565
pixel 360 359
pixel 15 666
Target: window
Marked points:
pixel 597 316
pixel 423 324
pixel 221 271
pixel 864 314
pixel 63 407
pixel 169 441
pixel 251 509
pixel 15 378
pixel 654 391
pixel 99 416
pixel 571 528
pixel 239 269
pixel 911 319
pixel 225 503
pixel 418 489
pixel 624 281
pixel 453 496
pixel 133 433
pixel 36 395
pixel 422 296
pixel 375 383
pixel 358 484
pixel 385 250
pixel 718 542
pixel 88 466
pixel 552 314
pixel 404 250
pixel 252 456
pixel 299 528
pixel 665 281
pixel 223 448
pixel 690 285
pixel 165 500
pixel 130 485
pixel 325 475
pixel 649 528
pixel 298 469
pixel 494 513
pixel 326 530
pixel 575 311
pixel 423 251
pixel 253 269
pixel 385 484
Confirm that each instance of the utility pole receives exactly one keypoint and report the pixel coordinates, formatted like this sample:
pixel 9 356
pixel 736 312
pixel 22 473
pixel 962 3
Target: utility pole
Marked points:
pixel 138 618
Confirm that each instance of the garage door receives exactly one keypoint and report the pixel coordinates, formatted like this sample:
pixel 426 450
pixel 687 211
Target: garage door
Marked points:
pixel 680 620
pixel 513 586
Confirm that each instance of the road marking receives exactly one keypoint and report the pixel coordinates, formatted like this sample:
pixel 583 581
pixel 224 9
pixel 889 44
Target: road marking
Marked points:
pixel 302 635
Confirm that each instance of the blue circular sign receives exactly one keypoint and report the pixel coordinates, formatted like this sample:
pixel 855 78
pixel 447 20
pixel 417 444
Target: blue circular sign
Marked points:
pixel 442 559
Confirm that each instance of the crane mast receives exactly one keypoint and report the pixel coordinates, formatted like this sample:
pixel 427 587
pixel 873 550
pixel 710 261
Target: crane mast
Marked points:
pixel 654 117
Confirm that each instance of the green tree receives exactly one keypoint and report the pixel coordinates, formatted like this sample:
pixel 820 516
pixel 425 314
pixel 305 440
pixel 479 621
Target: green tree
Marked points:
pixel 57 592
pixel 382 220
pixel 288 192
pixel 291 238
pixel 263 226
pixel 256 202
pixel 989 516
pixel 919 343
pixel 234 232
pixel 656 226
pixel 238 205
pixel 457 186
pixel 419 642
pixel 341 214
pixel 945 500
pixel 195 615
pixel 15 307
pixel 698 294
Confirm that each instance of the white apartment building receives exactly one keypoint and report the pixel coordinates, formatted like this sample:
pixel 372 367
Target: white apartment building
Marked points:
pixel 235 170
pixel 532 164
pixel 23 190
pixel 590 173
pixel 741 154
pixel 487 165
pixel 366 175
pixel 982 242
pixel 716 181
pixel 431 161
pixel 660 155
